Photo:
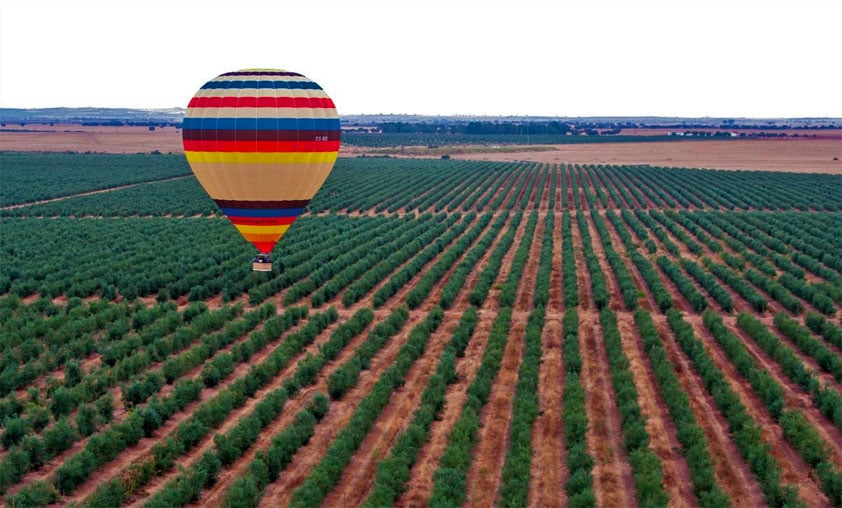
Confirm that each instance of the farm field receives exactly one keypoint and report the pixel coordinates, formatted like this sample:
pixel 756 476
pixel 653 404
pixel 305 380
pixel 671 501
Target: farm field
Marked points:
pixel 433 332
pixel 810 151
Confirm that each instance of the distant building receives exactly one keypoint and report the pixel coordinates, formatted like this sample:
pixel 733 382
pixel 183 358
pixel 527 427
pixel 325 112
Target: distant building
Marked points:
pixel 364 129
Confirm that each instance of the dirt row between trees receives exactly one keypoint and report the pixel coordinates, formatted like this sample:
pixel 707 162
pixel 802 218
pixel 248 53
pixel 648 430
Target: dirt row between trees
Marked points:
pixel 356 481
pixel 731 470
pixel 794 469
pixel 549 469
pixel 663 436
pixel 420 484
pixel 144 446
pixel 612 478
pixel 143 450
pixel 484 475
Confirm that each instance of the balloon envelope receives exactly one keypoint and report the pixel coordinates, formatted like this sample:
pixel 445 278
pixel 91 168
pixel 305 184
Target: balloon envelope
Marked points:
pixel 261 142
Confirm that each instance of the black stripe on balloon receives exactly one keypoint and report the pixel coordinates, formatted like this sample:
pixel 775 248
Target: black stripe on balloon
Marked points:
pixel 272 205
pixel 259 135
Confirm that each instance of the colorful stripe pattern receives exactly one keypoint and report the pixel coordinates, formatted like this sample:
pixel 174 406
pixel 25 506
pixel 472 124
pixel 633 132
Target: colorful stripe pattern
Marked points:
pixel 261 142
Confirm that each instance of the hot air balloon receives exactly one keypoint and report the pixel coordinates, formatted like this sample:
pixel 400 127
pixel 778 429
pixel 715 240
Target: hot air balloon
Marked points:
pixel 261 142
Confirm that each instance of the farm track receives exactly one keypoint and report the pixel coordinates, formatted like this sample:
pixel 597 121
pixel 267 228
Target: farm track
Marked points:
pixel 90 193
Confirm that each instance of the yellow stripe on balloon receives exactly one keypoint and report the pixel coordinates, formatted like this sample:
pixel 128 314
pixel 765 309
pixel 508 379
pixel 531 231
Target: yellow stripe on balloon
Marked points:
pixel 262 230
pixel 262 157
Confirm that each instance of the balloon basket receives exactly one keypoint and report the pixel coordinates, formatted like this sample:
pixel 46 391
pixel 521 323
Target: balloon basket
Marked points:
pixel 261 263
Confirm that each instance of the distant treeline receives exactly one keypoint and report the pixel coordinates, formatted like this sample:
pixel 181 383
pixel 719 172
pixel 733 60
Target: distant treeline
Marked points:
pixel 555 128
pixel 436 139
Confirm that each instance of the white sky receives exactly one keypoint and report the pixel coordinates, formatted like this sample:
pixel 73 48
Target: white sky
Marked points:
pixel 741 58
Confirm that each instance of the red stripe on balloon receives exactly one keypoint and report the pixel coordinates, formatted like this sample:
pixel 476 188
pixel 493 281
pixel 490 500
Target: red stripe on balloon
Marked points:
pixel 262 221
pixel 259 135
pixel 264 247
pixel 261 102
pixel 194 145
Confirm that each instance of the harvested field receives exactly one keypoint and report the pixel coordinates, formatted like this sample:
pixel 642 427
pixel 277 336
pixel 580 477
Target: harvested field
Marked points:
pixel 791 155
pixel 802 154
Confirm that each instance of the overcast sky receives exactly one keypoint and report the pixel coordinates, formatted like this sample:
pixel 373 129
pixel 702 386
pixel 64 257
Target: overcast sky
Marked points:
pixel 741 58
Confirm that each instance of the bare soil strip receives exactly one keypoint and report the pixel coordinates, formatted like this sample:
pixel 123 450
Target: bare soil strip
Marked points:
pixel 421 476
pixel 214 496
pixel 356 481
pixel 549 470
pixel 796 154
pixel 279 493
pixel 89 193
pixel 663 436
pixel 493 435
pixel 802 155
pixel 143 449
pixel 613 482
pixel 794 469
pixel 732 471
pixel 484 474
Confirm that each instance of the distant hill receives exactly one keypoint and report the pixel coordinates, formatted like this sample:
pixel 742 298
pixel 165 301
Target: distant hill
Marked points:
pixel 93 116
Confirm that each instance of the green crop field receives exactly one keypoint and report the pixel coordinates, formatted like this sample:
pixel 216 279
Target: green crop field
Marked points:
pixel 433 332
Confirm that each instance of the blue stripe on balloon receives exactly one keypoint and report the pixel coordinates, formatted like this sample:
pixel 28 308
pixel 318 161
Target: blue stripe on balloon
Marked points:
pixel 262 212
pixel 273 124
pixel 299 85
